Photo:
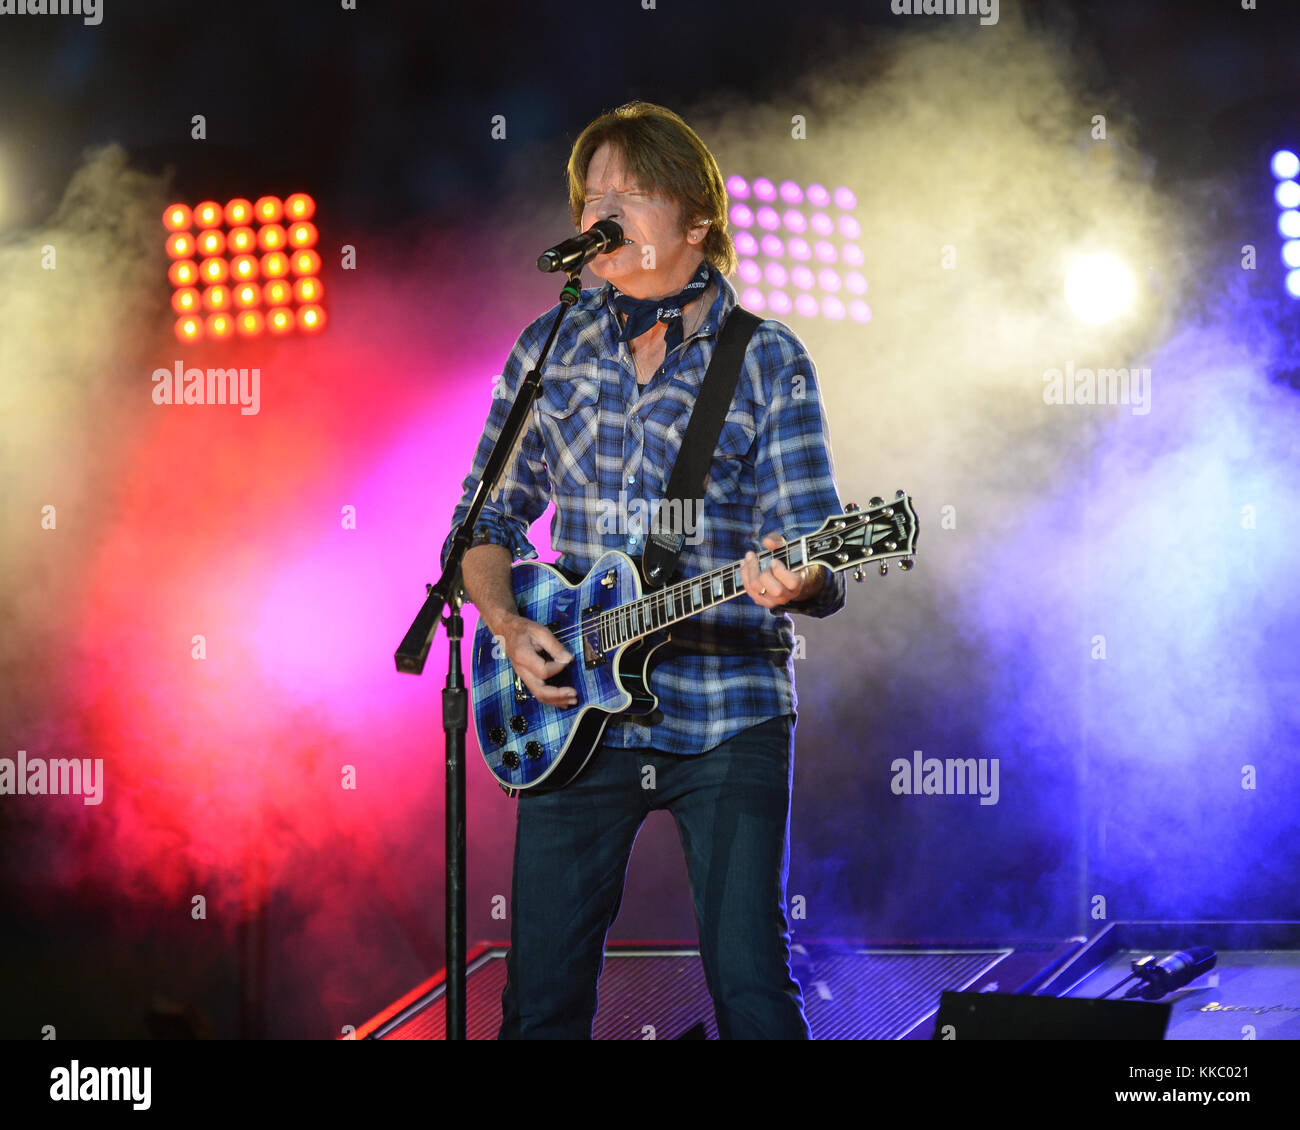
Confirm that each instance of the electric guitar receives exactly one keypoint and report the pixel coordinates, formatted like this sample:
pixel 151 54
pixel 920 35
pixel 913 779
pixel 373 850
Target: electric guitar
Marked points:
pixel 607 622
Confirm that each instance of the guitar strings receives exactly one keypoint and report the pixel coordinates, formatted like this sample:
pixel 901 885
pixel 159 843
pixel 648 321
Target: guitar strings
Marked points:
pixel 609 617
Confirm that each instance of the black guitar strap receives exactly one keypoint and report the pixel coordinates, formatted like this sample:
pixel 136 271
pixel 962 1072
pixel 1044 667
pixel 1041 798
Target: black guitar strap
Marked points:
pixel 665 540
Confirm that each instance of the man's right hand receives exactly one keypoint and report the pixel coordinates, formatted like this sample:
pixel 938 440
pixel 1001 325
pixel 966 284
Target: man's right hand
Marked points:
pixel 536 655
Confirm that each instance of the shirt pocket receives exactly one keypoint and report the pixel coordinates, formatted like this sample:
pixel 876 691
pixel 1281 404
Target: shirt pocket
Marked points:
pixel 729 483
pixel 568 413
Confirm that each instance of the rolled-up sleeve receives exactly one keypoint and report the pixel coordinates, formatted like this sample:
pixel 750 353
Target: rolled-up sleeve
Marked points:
pixel 795 472
pixel 523 490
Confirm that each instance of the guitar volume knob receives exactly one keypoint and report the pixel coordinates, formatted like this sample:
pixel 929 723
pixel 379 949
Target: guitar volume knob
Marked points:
pixel 519 724
pixel 510 759
pixel 533 750
pixel 497 735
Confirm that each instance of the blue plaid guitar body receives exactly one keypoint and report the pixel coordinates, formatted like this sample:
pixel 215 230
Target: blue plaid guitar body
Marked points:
pixel 528 744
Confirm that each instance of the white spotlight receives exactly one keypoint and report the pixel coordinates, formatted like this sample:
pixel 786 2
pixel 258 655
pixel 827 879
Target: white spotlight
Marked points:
pixel 1099 288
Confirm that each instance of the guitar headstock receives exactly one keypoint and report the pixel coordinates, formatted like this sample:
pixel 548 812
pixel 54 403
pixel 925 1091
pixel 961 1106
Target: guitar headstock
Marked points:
pixel 878 534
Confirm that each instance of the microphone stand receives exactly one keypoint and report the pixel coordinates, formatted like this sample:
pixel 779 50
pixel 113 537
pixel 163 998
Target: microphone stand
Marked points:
pixel 448 594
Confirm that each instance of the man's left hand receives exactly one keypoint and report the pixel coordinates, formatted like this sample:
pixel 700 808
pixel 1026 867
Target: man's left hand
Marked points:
pixel 777 585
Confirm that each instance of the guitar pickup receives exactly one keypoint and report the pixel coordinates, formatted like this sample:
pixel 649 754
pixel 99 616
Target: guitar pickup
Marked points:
pixel 593 655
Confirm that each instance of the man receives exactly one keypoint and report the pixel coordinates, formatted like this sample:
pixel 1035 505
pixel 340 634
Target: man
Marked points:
pixel 616 396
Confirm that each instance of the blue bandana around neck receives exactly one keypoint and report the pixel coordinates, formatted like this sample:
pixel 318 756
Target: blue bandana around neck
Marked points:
pixel 643 313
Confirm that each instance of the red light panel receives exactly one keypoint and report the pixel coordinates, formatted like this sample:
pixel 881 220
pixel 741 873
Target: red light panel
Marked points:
pixel 231 260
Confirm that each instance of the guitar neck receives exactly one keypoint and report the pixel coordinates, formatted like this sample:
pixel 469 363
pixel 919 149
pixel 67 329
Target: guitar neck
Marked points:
pixel 677 602
pixel 885 531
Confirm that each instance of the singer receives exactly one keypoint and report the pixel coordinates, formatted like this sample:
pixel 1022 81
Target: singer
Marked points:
pixel 719 752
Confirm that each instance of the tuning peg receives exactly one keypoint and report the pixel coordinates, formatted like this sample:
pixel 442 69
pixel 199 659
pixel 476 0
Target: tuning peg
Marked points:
pixel 906 564
pixel 859 575
pixel 900 494
pixel 884 568
pixel 876 500
pixel 850 508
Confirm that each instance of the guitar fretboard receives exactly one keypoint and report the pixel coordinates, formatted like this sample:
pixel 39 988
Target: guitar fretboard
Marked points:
pixel 677 602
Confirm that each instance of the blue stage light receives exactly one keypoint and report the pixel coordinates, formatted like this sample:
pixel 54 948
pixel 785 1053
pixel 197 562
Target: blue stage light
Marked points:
pixel 1285 164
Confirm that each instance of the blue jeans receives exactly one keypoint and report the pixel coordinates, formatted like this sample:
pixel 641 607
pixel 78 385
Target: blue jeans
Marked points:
pixel 572 846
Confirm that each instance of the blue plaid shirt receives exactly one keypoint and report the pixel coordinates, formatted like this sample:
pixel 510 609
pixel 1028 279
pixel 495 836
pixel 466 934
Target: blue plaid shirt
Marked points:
pixel 602 448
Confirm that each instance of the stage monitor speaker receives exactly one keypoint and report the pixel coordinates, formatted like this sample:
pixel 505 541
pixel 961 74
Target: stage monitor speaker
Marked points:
pixel 1003 1016
pixel 887 991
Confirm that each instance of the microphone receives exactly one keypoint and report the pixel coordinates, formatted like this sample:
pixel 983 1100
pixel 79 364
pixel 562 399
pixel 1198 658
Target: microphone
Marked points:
pixel 1172 972
pixel 573 254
